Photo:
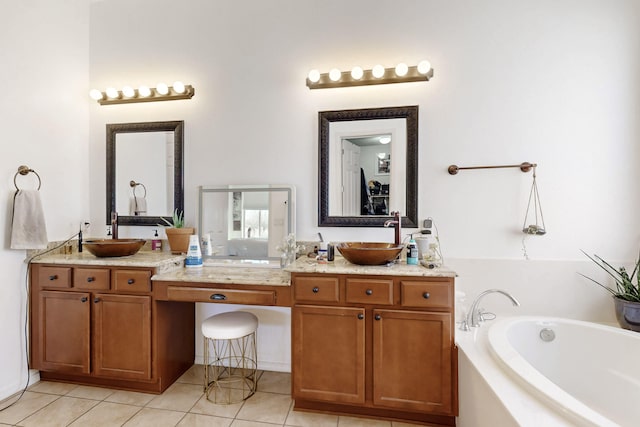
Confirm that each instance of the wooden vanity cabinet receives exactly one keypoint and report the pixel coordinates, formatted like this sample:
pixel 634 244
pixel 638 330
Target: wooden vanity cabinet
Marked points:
pixel 93 325
pixel 375 345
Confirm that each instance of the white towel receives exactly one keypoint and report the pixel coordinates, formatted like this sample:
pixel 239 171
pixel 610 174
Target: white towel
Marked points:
pixel 28 228
pixel 137 206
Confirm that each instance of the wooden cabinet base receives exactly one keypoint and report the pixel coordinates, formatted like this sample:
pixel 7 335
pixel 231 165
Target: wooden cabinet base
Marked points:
pixel 377 413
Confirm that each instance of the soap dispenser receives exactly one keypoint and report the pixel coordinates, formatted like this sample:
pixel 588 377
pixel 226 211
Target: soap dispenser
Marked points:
pixel 156 243
pixel 412 252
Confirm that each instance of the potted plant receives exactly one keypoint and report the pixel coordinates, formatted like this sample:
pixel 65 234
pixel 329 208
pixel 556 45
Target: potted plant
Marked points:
pixel 177 233
pixel 626 294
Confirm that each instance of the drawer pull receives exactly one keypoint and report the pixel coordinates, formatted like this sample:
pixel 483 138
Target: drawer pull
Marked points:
pixel 360 316
pixel 377 317
pixel 130 282
pixel 90 279
pixel 218 297
pixel 426 295
pixel 369 292
pixel 96 300
pixel 316 290
pixel 53 277
pixel 84 299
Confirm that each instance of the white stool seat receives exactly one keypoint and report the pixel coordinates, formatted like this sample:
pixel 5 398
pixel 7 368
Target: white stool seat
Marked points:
pixel 231 325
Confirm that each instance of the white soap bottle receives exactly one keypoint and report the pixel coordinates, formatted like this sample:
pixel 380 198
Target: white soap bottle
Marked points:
pixel 194 255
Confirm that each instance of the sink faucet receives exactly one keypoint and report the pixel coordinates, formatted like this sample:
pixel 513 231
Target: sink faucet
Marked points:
pixel 474 316
pixel 396 222
pixel 114 225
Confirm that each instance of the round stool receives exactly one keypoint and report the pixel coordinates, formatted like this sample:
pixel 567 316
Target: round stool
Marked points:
pixel 230 368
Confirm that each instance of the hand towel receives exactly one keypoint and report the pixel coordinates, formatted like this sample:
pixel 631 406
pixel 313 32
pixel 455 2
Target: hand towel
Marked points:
pixel 137 206
pixel 28 228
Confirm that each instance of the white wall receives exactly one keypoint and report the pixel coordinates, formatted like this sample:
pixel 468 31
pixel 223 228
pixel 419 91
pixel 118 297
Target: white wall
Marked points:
pixel 551 82
pixel 44 52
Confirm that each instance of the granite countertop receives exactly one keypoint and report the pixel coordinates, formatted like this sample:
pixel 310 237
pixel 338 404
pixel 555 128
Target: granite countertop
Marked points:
pixel 162 261
pixel 234 275
pixel 342 266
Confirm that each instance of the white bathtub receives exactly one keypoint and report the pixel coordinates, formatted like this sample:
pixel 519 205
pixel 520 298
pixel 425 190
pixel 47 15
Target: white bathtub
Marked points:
pixel 589 373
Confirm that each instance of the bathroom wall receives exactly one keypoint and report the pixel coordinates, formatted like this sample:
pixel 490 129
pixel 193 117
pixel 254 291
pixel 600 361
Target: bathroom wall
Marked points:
pixel 551 82
pixel 44 52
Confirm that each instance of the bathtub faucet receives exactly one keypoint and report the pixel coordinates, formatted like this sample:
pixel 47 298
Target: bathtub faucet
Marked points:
pixel 474 315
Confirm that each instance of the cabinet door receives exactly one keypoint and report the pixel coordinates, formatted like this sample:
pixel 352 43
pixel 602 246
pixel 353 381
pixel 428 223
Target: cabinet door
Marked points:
pixel 122 336
pixel 412 360
pixel 64 332
pixel 328 354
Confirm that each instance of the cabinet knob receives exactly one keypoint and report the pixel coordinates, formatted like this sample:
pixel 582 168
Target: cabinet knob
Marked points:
pixel 90 279
pixel 360 316
pixel 130 282
pixel 53 277
pixel 316 290
pixel 426 295
pixel 84 299
pixel 377 317
pixel 218 297
pixel 369 292
pixel 96 300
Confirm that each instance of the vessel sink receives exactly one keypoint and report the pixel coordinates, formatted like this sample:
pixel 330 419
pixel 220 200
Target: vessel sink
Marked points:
pixel 369 253
pixel 113 247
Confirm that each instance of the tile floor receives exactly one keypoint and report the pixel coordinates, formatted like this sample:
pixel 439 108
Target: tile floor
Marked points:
pixel 183 404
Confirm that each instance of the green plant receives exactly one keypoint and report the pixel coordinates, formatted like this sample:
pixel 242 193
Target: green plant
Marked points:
pixel 177 219
pixel 627 286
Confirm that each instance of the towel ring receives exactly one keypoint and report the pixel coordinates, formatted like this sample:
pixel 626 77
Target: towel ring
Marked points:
pixel 134 184
pixel 24 170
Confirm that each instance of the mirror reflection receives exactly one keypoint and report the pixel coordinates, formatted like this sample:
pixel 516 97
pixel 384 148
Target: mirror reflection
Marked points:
pixel 144 171
pixel 246 222
pixel 368 166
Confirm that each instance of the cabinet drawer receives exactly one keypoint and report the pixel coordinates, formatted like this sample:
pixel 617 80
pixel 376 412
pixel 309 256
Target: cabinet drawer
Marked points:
pixel 426 294
pixel 54 277
pixel 370 291
pixel 91 279
pixel 225 296
pixel 320 289
pixel 132 280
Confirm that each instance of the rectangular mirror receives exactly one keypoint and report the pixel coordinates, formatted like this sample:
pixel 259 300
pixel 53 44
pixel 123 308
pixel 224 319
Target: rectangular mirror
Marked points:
pixel 246 221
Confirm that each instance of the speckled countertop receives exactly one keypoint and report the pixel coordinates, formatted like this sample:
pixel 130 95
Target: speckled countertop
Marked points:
pixel 234 275
pixel 342 266
pixel 161 261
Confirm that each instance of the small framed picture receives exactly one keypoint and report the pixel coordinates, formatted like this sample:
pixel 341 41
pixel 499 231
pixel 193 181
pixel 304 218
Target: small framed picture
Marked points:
pixel 383 164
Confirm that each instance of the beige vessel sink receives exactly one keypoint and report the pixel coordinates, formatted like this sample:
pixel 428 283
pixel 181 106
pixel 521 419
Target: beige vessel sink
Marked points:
pixel 369 253
pixel 113 247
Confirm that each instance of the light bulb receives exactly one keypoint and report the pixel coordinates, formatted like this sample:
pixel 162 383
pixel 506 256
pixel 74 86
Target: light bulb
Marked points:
pixel 335 75
pixel 378 71
pixel 382 155
pixel 401 69
pixel 112 93
pixel 128 92
pixel 95 94
pixel 144 91
pixel 162 88
pixel 357 73
pixel 179 87
pixel 424 67
pixel 314 76
pixel 385 139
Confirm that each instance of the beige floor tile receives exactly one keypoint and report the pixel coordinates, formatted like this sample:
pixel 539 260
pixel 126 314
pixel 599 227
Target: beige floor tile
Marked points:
pixel 88 392
pixel 199 420
pixel 106 414
pixel 203 406
pixel 275 382
pixel 61 412
pixel 194 375
pixel 310 419
pixel 361 422
pixel 149 417
pixel 29 403
pixel 130 397
pixel 52 387
pixel 266 408
pixel 178 397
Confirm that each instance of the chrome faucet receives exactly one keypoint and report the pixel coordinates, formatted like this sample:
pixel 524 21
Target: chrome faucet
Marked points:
pixel 114 225
pixel 397 224
pixel 474 316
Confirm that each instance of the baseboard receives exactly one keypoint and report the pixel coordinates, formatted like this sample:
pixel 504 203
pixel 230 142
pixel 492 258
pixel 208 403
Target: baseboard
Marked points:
pixel 263 365
pixel 12 390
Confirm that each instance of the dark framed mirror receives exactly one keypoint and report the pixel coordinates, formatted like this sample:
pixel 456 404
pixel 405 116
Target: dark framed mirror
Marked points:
pixel 368 166
pixel 145 180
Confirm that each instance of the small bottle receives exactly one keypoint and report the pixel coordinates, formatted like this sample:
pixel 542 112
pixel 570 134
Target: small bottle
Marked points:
pixel 322 256
pixel 412 253
pixel 194 255
pixel 331 251
pixel 156 243
pixel 207 250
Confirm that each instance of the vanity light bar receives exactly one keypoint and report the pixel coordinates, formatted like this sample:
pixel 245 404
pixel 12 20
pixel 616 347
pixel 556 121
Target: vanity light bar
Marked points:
pixel 378 75
pixel 161 92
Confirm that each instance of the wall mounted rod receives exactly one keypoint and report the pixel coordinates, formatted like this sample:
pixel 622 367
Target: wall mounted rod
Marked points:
pixel 524 167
